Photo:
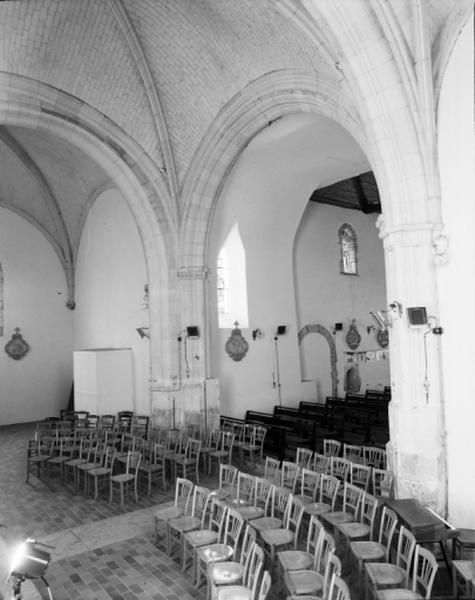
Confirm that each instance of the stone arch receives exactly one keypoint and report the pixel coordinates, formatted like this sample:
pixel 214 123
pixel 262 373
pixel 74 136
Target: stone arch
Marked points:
pixel 270 97
pixel 32 104
pixel 320 329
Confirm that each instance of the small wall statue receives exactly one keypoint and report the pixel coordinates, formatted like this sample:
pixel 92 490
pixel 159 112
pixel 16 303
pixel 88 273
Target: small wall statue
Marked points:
pixel 17 347
pixel 236 346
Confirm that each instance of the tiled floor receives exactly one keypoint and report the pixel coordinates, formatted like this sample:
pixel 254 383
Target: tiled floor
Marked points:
pixel 100 550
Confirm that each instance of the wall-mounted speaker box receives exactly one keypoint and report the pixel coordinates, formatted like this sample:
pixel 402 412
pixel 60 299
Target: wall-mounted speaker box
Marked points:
pixel 338 326
pixel 281 329
pixel 417 315
pixel 193 331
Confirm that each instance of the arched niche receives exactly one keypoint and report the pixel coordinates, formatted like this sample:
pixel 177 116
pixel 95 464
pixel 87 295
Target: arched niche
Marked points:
pixel 321 330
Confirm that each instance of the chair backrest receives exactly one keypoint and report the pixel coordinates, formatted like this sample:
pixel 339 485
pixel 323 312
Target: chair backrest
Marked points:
pixel 246 487
pixel 133 461
pixel 193 448
pixel 425 568
pixel 382 483
pixel 265 586
pixel 199 500
pixel 327 547
pixel 217 517
pixel 108 422
pixel 331 447
pixel 279 501
pixel 309 484
pixel 332 570
pixel 304 457
pixel 405 551
pixel 340 467
pixel 261 433
pixel 389 520
pixel 249 435
pixel 233 527
pixel 314 535
pixel 352 452
pixel 360 475
pixel 369 509
pixel 374 457
pixel 263 493
pixel 227 476
pixel 183 490
pixel 352 497
pixel 248 539
pixel 289 474
pixel 253 567
pixel 272 469
pixel 338 589
pixel 329 487
pixel 321 463
pixel 293 516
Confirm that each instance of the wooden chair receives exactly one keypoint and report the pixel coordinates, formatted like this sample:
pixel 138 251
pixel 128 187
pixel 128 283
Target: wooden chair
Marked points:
pixel 260 501
pixel 388 575
pixel 124 482
pixel 107 422
pixel 290 472
pixel 367 551
pixel 247 591
pixel 326 496
pixel 178 526
pixel 321 463
pixel 101 475
pixel 338 589
pixel 316 580
pixel 210 441
pixel 424 570
pixel 276 509
pixel 363 527
pixel 247 445
pixel 245 489
pixel 232 572
pixel 296 560
pixel 183 490
pixel 374 457
pixel 223 453
pixel 360 475
pixel 63 452
pixel 277 539
pixel 189 461
pixel 140 425
pixel 95 458
pixel 272 470
pixel 38 454
pixel 309 485
pixel 220 551
pixel 331 447
pixel 340 468
pixel 227 481
pixel 382 483
pixel 352 496
pixel 304 457
pixel 210 532
pixel 124 420
pixel 353 452
pixel 154 467
pixel 261 433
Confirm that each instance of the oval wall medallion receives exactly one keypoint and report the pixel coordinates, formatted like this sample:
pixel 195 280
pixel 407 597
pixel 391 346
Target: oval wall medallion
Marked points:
pixel 17 347
pixel 353 338
pixel 382 338
pixel 236 346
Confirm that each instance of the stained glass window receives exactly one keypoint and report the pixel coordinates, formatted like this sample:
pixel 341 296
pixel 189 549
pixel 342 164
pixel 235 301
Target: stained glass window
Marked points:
pixel 348 250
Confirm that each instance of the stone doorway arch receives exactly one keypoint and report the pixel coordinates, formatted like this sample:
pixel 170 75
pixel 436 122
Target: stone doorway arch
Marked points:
pixel 320 329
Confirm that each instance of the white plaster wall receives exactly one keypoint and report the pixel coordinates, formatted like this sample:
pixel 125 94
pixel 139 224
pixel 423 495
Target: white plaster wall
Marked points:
pixel 39 384
pixel 110 278
pixel 325 297
pixel 456 278
pixel 266 195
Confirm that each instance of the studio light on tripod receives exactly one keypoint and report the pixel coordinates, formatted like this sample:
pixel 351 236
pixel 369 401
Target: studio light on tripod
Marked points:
pixel 30 561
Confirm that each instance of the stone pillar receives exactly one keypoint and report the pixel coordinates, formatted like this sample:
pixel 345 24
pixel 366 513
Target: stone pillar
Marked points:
pixel 416 452
pixel 189 397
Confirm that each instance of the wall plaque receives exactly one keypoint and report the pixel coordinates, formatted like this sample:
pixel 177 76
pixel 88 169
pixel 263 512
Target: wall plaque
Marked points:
pixel 236 346
pixel 17 347
pixel 353 338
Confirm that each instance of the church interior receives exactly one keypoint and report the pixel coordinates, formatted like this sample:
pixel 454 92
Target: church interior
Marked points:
pixel 235 239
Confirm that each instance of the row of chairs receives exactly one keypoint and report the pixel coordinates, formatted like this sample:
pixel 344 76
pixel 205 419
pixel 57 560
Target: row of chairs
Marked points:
pixel 292 474
pixel 373 456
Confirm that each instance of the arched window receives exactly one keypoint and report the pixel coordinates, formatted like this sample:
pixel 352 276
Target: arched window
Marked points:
pixel 348 249
pixel 231 284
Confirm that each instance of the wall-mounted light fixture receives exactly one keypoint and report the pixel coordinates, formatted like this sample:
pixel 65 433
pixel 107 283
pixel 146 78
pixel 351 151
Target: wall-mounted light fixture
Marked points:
pixel 143 332
pixel 281 329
